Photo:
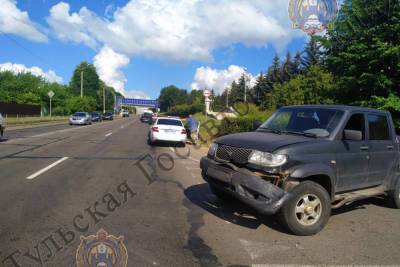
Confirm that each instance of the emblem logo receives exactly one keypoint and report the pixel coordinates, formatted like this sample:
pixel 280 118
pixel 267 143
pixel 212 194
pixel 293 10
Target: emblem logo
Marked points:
pixel 101 250
pixel 312 16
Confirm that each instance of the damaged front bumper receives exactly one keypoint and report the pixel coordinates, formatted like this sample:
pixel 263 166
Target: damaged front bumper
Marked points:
pixel 249 188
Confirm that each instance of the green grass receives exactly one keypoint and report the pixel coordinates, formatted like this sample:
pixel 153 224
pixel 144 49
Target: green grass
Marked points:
pixel 15 121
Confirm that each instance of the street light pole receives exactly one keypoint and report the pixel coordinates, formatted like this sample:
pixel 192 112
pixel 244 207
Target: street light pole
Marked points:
pixel 81 83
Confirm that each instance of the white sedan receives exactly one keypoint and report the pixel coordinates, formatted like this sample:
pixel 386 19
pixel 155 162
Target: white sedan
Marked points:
pixel 168 130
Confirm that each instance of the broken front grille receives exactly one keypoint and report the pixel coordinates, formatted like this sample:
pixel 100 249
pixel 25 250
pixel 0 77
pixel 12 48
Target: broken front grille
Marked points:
pixel 233 154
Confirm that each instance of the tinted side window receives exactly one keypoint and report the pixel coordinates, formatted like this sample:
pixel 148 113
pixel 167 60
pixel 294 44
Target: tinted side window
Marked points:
pixel 378 127
pixel 356 123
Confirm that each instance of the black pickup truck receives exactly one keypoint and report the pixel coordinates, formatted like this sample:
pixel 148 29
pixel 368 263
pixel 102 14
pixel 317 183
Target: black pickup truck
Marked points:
pixel 306 160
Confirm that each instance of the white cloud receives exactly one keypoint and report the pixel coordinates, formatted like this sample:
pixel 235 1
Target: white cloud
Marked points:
pixel 177 30
pixel 136 94
pixel 109 64
pixel 219 80
pixel 50 75
pixel 15 21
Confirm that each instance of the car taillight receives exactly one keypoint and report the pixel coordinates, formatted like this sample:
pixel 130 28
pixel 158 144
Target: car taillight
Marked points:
pixel 183 131
pixel 155 129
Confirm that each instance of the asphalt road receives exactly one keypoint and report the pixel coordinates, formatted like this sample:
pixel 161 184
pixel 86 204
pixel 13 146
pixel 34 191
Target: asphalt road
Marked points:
pixel 61 182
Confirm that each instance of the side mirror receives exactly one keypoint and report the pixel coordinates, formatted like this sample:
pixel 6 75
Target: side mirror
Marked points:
pixel 351 135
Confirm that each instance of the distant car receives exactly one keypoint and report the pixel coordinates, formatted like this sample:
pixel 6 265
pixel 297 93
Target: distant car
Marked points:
pixel 168 130
pixel 154 117
pixel 96 117
pixel 80 118
pixel 108 116
pixel 125 113
pixel 147 117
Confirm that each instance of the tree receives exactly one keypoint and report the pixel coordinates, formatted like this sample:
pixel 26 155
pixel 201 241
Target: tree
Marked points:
pixel 312 54
pixel 363 49
pixel 91 81
pixel 171 96
pixel 316 86
pixel 77 103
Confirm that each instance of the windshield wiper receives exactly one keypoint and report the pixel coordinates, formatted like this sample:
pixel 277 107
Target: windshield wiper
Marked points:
pixel 301 133
pixel 270 130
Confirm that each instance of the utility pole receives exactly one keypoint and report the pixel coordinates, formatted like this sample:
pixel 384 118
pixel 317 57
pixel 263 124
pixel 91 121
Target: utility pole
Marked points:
pixel 227 98
pixel 81 83
pixel 104 99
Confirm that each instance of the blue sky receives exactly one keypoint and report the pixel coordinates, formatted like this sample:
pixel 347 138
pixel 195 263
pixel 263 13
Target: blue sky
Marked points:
pixel 140 46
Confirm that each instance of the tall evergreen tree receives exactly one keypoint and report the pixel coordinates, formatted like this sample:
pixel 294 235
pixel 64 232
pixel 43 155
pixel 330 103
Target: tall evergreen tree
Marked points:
pixel 312 54
pixel 363 49
pixel 288 68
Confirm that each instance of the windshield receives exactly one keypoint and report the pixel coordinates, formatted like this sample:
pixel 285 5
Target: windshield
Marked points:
pixel 169 122
pixel 79 114
pixel 318 122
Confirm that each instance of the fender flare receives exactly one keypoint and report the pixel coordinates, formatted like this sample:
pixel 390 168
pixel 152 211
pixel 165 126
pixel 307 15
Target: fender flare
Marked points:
pixel 303 171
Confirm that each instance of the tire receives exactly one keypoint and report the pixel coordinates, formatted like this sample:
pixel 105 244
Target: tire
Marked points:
pixel 219 193
pixel 313 204
pixel 393 196
pixel 150 142
pixel 180 144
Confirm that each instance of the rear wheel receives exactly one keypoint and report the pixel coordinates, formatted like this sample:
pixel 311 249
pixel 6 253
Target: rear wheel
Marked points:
pixel 309 209
pixel 393 196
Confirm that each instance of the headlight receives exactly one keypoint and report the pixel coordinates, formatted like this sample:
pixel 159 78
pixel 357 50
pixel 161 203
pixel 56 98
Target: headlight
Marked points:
pixel 212 150
pixel 267 159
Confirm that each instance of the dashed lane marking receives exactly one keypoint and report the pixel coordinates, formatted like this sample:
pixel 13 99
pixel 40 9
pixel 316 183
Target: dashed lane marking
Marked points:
pixel 36 174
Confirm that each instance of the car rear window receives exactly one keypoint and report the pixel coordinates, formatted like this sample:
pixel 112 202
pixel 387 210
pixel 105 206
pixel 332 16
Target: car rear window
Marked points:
pixel 169 122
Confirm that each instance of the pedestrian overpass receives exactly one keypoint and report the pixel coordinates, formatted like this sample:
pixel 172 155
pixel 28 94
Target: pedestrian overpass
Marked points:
pixel 139 104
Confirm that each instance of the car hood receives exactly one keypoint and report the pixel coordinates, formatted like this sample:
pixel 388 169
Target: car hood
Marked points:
pixel 266 142
pixel 78 118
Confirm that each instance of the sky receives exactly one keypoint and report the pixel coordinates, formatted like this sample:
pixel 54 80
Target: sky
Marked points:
pixel 140 46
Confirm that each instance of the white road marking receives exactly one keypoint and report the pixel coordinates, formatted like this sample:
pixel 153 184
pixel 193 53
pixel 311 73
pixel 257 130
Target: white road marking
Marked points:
pixel 36 174
pixel 107 135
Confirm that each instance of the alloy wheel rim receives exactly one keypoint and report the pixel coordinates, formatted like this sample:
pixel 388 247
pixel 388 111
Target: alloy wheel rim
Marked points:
pixel 308 209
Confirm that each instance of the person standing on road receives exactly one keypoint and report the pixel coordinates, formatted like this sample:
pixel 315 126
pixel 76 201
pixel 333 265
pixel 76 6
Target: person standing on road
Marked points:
pixel 1 126
pixel 193 128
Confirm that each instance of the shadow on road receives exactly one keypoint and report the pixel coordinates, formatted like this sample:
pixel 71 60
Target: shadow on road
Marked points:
pixel 361 204
pixel 231 211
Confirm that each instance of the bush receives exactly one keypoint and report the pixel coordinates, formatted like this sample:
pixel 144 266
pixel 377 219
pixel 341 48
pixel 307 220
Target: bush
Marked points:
pixel 185 109
pixel 60 111
pixel 247 123
pixel 237 125
pixel 85 103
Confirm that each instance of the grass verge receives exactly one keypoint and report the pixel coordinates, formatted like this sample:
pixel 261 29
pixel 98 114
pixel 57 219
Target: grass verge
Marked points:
pixel 17 121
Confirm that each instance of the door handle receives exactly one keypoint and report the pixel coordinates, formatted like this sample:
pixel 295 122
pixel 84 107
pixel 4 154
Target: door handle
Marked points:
pixel 390 147
pixel 364 148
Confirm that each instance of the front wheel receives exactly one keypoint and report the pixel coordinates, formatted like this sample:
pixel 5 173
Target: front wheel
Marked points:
pixel 309 209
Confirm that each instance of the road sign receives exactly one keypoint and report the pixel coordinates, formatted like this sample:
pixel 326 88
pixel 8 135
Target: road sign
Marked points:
pixel 206 93
pixel 50 94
